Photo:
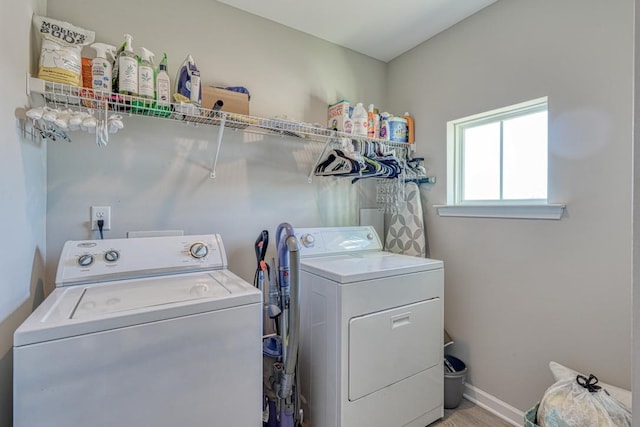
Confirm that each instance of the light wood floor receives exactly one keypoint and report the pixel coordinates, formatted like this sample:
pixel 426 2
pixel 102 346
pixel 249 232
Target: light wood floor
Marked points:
pixel 469 415
pixel 466 415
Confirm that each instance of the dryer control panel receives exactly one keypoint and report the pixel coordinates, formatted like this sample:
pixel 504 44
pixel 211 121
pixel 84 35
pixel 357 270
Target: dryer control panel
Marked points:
pixel 89 261
pixel 337 240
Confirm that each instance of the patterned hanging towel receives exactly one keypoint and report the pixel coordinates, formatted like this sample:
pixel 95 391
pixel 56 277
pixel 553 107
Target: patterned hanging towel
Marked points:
pixel 406 229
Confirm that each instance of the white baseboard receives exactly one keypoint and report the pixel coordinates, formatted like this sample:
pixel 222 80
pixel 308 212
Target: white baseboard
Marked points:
pixel 494 405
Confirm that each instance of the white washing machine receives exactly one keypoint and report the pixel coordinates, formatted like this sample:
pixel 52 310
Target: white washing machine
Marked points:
pixel 142 332
pixel 371 331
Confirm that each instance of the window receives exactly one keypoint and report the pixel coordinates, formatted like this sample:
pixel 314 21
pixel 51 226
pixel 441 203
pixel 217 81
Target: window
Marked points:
pixel 501 156
pixel 499 159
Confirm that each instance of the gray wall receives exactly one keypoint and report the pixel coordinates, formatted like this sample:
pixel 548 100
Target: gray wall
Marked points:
pixel 22 195
pixel 154 174
pixel 520 293
pixel 636 215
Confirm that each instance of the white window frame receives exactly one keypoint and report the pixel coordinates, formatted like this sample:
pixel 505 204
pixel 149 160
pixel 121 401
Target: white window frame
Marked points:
pixel 502 208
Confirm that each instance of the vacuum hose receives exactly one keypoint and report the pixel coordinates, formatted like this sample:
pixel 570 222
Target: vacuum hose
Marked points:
pixel 288 374
pixel 288 253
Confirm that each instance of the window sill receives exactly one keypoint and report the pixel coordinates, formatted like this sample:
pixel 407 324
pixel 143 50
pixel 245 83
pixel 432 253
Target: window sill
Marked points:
pixel 548 211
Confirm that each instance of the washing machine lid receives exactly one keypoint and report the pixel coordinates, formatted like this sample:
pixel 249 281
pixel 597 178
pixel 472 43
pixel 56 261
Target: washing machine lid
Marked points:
pixel 92 308
pixel 360 266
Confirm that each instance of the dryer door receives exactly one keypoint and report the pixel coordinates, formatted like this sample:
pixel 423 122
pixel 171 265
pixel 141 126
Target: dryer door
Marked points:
pixel 391 345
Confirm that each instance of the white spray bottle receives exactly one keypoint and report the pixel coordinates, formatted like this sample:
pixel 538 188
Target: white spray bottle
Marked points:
pixel 146 81
pixel 128 69
pixel 101 66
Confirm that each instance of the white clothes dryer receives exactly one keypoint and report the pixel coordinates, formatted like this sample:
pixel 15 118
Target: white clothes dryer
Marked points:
pixel 142 332
pixel 371 331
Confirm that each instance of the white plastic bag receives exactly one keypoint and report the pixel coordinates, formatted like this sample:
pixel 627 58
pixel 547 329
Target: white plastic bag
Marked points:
pixel 579 402
pixel 561 372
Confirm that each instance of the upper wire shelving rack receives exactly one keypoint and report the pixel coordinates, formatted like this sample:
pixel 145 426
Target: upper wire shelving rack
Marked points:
pixel 68 96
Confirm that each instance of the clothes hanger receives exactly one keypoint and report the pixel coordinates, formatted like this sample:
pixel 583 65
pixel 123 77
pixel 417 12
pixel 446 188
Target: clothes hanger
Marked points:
pixel 337 163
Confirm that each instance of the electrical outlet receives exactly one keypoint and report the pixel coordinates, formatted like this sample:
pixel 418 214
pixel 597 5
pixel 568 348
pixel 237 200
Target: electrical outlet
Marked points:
pixel 103 213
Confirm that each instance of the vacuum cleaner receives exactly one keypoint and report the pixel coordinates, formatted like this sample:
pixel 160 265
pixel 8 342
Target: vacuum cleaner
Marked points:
pixel 280 344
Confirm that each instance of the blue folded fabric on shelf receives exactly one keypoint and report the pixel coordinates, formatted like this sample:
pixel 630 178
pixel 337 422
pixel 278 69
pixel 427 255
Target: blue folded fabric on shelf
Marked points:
pixel 239 89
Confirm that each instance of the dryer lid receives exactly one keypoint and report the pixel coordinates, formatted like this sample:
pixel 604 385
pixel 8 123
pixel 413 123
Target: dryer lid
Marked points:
pixel 94 308
pixel 357 267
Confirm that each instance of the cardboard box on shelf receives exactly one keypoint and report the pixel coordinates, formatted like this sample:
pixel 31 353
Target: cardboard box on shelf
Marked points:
pixel 233 102
pixel 335 115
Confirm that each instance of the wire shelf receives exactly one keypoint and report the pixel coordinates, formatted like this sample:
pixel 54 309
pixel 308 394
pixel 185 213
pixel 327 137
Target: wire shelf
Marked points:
pixel 65 96
pixel 62 96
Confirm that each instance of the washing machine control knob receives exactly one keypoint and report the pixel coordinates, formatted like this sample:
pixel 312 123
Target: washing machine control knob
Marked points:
pixel 199 250
pixel 85 260
pixel 307 240
pixel 111 255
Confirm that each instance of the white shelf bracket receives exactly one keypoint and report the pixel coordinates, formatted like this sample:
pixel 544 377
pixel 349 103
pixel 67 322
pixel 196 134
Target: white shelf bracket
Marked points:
pixel 212 175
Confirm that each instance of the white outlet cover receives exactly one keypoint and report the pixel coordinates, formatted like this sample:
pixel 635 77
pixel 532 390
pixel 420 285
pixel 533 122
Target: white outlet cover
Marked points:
pixel 100 212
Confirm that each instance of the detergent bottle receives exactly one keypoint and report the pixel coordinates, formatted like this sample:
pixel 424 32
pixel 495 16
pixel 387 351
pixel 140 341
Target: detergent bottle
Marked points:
pixel 146 80
pixel 127 69
pixel 163 89
pixel 374 122
pixel 360 120
pixel 101 67
pixel 384 126
pixel 347 122
pixel 411 132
